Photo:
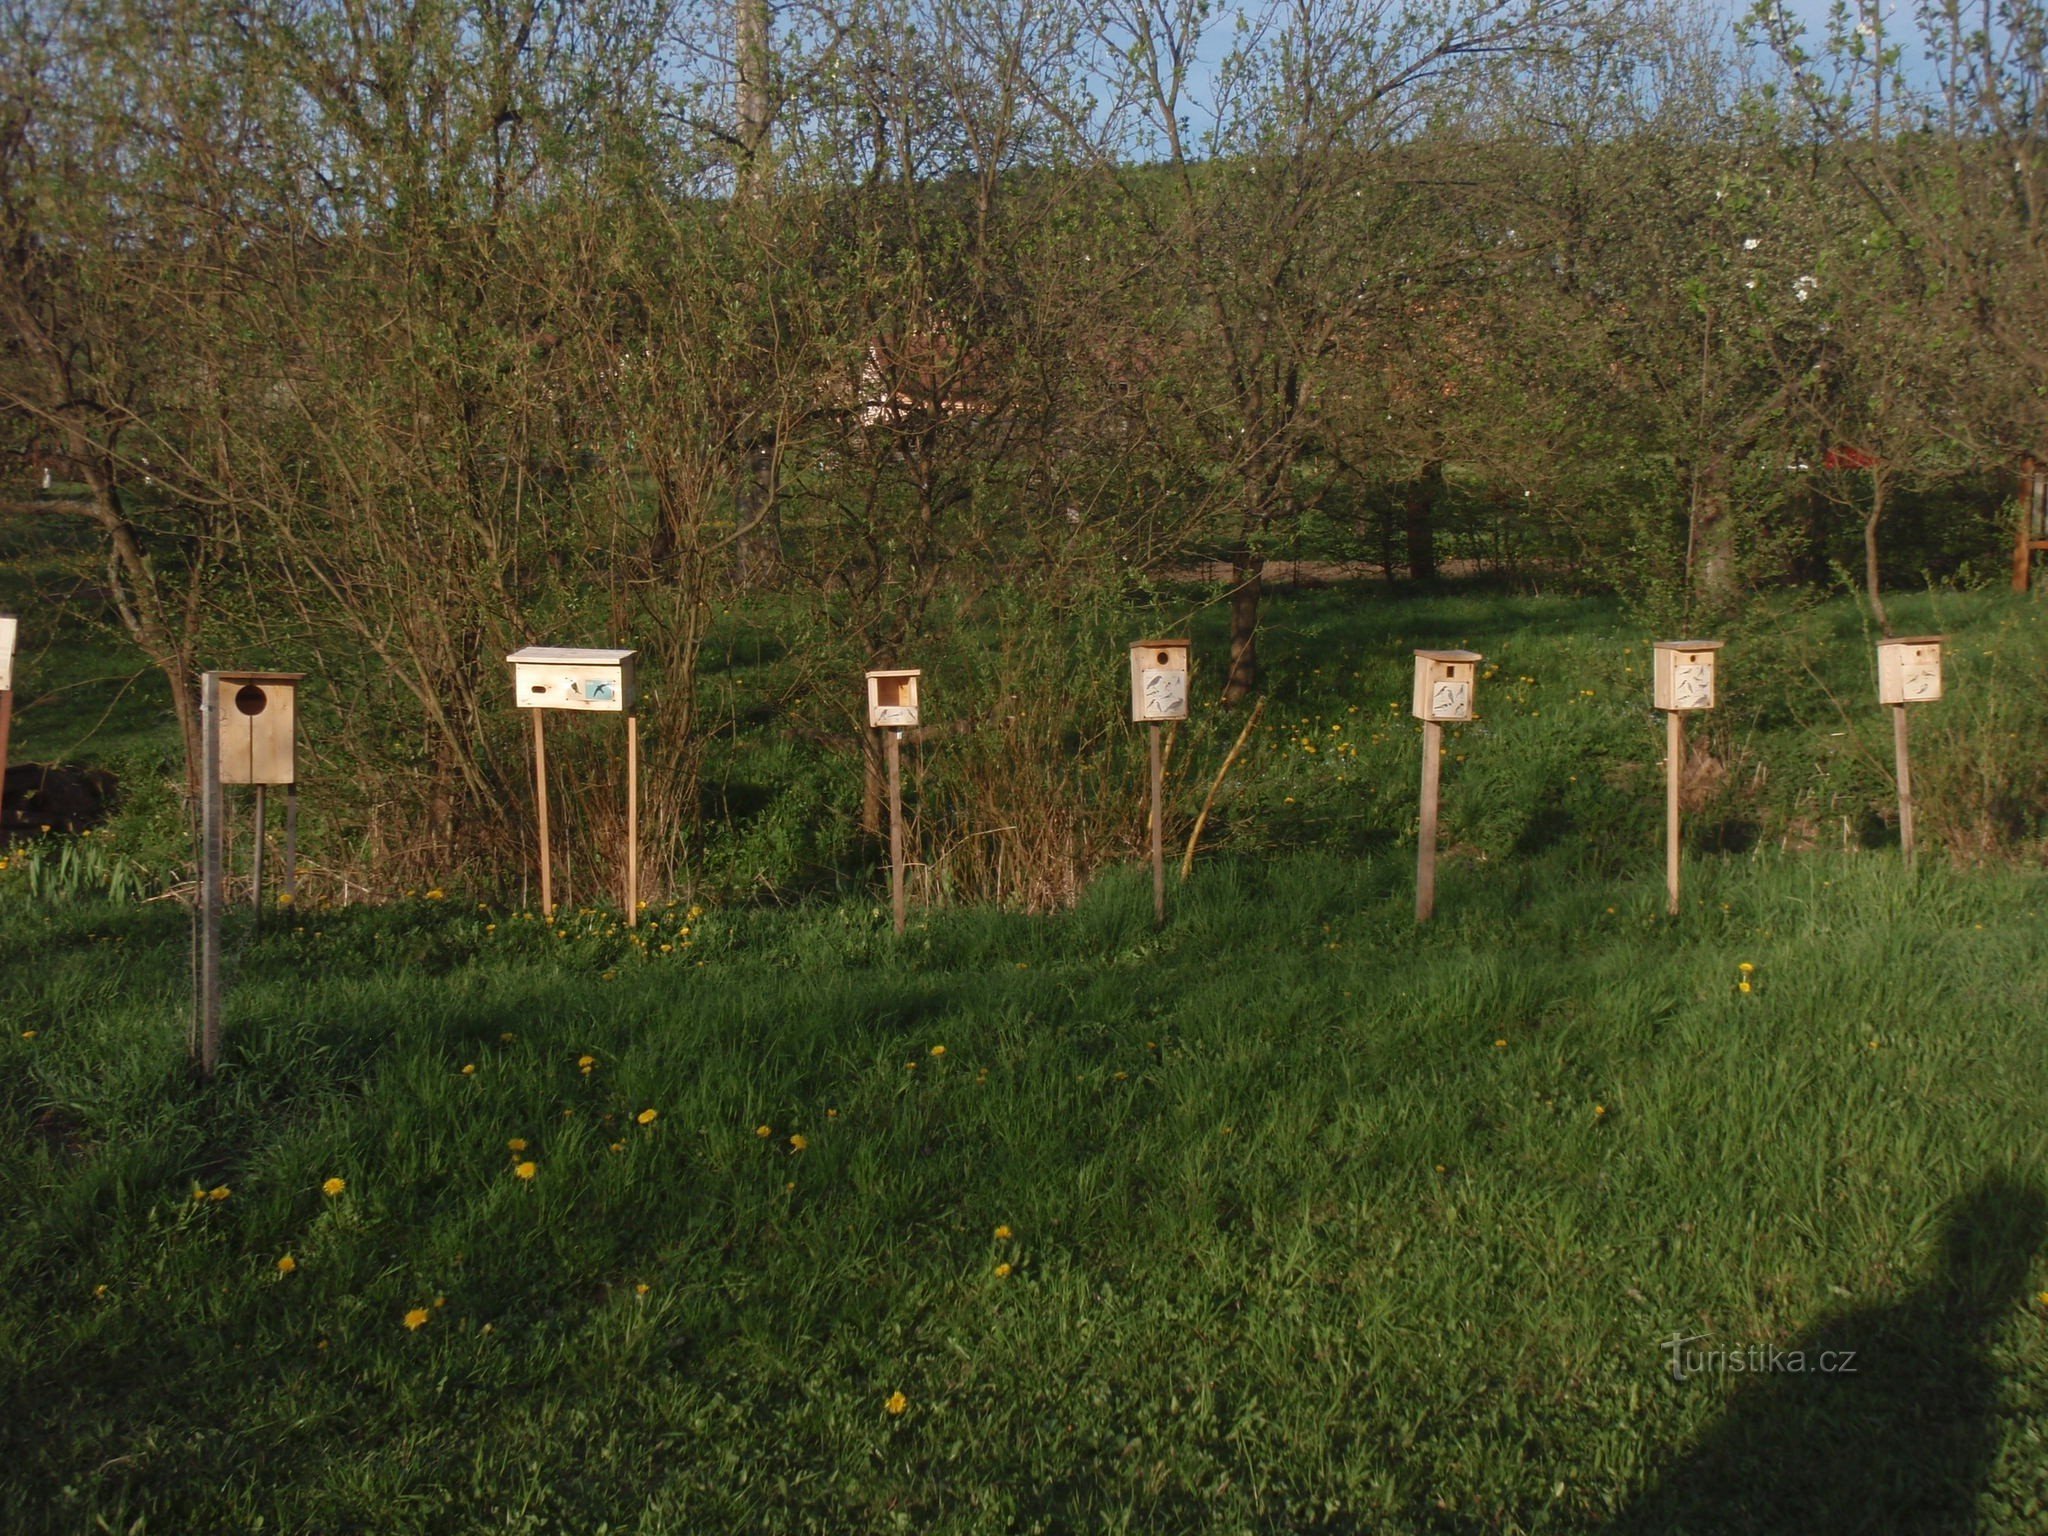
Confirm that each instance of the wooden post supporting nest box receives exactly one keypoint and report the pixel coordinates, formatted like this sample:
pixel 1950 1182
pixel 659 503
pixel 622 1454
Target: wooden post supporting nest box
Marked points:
pixel 248 726
pixel 7 632
pixel 1444 685
pixel 893 707
pixel 1159 693
pixel 1908 672
pixel 2033 521
pixel 589 681
pixel 1683 681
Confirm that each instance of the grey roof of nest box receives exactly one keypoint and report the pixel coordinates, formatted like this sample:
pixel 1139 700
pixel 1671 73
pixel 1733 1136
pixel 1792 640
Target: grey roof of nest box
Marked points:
pixel 1452 655
pixel 227 676
pixel 585 655
pixel 1687 645
pixel 1914 640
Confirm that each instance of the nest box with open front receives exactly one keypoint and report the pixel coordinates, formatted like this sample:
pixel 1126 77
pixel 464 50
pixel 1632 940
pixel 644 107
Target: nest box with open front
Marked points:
pixel 1444 681
pixel 1684 678
pixel 893 697
pixel 259 727
pixel 573 677
pixel 1909 670
pixel 1159 680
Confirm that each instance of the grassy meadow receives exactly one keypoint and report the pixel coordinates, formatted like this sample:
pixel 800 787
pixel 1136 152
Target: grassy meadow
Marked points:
pixel 1290 1217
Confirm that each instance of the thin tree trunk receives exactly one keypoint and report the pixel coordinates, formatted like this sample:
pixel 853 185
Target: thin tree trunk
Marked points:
pixel 1247 572
pixel 1871 583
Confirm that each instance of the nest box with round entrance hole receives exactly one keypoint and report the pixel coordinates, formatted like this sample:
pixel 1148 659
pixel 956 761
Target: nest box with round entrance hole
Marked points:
pixel 1684 676
pixel 7 627
pixel 1909 671
pixel 1159 680
pixel 573 677
pixel 892 697
pixel 1443 684
pixel 259 721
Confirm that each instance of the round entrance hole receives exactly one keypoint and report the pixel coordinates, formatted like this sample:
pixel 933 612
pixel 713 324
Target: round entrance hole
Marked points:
pixel 251 700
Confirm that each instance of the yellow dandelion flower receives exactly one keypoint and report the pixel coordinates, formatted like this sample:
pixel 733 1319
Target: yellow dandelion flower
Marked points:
pixel 469 1069
pixel 798 1143
pixel 416 1319
pixel 938 1050
pixel 1743 986
pixel 28 1034
pixel 333 1187
pixel 1002 1234
pixel 1745 968
pixel 831 1114
pixel 642 1288
pixel 648 1116
pixel 1002 1270
pixel 897 1403
pixel 1500 1045
pixel 287 1264
pixel 618 1146
pixel 516 1144
pixel 219 1192
pixel 764 1130
pixel 525 1170
pixel 99 1290
pixel 1599 1110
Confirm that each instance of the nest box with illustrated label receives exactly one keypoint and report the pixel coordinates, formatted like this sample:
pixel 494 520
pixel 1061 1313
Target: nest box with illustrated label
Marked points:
pixel 259 719
pixel 7 627
pixel 1444 682
pixel 1684 678
pixel 573 677
pixel 1159 680
pixel 1909 671
pixel 892 697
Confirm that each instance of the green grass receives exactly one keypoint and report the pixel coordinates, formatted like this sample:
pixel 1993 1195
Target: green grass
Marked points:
pixel 1318 1222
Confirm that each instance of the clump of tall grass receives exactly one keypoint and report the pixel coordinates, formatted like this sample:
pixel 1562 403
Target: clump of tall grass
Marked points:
pixel 89 866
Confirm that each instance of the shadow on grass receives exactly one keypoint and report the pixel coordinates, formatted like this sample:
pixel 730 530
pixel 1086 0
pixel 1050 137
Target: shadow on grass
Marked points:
pixel 1891 1425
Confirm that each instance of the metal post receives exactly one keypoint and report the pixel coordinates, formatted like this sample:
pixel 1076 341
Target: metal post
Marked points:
pixel 1905 770
pixel 212 848
pixel 1425 846
pixel 256 858
pixel 1674 768
pixel 540 791
pixel 632 821
pixel 893 745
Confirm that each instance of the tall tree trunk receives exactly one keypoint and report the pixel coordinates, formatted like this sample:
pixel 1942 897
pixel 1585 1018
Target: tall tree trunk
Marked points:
pixel 1418 510
pixel 754 105
pixel 1248 576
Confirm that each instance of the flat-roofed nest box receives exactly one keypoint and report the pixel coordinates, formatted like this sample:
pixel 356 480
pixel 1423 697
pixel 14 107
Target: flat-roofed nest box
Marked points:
pixel 1159 679
pixel 893 698
pixel 573 677
pixel 1909 670
pixel 1444 681
pixel 259 727
pixel 1684 677
pixel 7 627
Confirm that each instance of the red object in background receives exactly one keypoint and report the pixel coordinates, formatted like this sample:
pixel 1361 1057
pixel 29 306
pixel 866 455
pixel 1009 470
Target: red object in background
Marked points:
pixel 1846 457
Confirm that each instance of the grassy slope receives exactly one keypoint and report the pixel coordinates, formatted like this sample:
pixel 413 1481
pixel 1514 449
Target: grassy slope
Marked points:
pixel 1318 1222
